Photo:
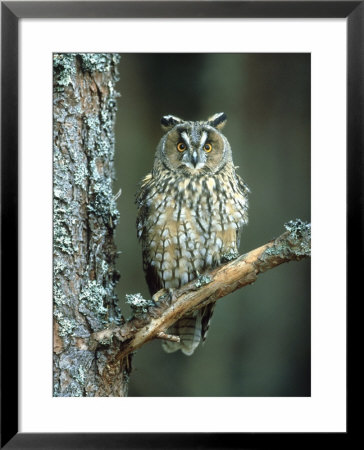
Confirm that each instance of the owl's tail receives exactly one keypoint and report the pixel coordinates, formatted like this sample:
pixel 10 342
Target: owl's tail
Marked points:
pixel 191 329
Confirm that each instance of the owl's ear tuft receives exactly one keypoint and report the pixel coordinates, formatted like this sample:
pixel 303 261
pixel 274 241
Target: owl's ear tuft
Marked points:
pixel 218 120
pixel 169 121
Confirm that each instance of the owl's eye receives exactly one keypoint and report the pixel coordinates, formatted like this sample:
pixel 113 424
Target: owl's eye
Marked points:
pixel 207 148
pixel 181 146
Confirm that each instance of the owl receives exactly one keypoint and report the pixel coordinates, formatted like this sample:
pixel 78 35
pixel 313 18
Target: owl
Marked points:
pixel 191 209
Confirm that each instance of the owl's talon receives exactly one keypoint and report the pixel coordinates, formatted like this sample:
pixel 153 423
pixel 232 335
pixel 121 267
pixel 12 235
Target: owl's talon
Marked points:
pixel 170 295
pixel 167 295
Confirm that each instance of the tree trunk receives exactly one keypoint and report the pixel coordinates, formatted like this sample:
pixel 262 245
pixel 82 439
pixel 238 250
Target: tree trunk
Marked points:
pixel 85 217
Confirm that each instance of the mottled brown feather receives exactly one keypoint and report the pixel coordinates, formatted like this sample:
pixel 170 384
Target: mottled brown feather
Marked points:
pixel 191 210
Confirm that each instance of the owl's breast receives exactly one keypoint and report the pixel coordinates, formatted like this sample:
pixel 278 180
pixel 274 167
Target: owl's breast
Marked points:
pixel 189 228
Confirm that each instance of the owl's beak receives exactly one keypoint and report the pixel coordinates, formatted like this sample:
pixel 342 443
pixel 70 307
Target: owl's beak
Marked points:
pixel 194 158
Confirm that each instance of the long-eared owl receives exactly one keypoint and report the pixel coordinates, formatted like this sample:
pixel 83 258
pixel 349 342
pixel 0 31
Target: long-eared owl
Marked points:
pixel 192 207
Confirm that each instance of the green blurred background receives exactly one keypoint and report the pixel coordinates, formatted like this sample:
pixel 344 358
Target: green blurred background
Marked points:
pixel 259 339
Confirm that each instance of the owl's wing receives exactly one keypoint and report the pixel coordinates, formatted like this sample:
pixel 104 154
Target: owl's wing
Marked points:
pixel 141 200
pixel 242 186
pixel 245 191
pixel 151 276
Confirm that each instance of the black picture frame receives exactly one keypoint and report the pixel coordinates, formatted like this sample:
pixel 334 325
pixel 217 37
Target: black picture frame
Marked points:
pixel 11 12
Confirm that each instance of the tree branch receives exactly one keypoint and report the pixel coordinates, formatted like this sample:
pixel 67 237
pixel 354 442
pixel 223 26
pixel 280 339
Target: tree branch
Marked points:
pixel 152 318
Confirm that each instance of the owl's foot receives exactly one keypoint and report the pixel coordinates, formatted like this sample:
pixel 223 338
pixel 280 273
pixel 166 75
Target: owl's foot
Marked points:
pixel 226 257
pixel 164 295
pixel 202 279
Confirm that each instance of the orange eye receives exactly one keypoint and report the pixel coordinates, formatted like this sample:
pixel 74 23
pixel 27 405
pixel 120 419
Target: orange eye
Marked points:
pixel 181 146
pixel 207 148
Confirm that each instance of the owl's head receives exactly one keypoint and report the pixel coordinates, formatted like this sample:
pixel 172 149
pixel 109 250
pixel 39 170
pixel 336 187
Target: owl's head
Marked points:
pixel 193 147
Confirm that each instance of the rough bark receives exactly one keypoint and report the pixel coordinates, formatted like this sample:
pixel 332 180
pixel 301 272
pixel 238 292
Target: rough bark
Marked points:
pixel 153 317
pixel 85 216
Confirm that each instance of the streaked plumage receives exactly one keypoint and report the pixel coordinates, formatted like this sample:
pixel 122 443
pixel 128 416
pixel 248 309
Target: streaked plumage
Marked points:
pixel 192 207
